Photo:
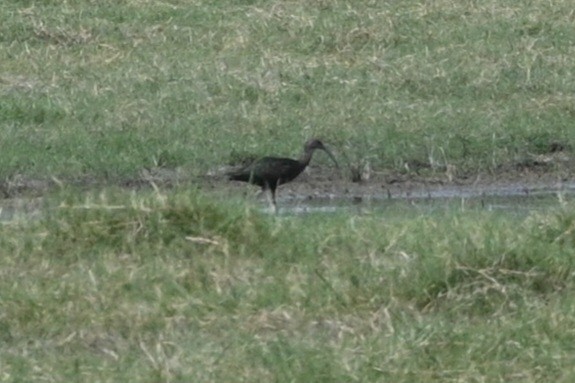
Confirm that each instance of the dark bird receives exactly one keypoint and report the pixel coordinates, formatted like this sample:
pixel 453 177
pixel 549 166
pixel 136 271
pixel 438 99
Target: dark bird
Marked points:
pixel 270 172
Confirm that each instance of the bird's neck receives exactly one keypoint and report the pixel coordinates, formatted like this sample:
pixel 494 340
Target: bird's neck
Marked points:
pixel 306 157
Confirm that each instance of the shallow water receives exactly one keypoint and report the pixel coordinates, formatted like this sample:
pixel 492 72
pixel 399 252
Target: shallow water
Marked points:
pixel 17 209
pixel 513 199
pixel 510 199
pixel 518 205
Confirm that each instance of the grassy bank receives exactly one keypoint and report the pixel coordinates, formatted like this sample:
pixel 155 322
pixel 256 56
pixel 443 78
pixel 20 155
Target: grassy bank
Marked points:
pixel 102 90
pixel 180 287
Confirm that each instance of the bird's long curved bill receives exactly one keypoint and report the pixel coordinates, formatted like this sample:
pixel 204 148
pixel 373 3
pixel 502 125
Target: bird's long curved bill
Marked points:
pixel 330 154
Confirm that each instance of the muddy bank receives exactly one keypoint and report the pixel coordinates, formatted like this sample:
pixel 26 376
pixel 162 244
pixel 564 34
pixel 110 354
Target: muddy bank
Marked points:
pixel 435 186
pixel 321 182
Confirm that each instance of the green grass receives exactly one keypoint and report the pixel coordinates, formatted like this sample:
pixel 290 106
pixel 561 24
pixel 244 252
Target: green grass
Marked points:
pixel 114 286
pixel 103 90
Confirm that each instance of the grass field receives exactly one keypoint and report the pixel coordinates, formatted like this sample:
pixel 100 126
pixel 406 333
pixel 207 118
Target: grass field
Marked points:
pixel 103 89
pixel 109 284
pixel 180 287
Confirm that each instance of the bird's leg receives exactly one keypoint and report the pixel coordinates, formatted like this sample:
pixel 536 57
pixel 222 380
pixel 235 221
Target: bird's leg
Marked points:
pixel 270 196
pixel 272 199
pixel 275 205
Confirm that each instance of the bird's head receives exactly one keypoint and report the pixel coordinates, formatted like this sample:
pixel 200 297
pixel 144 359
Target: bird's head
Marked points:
pixel 314 143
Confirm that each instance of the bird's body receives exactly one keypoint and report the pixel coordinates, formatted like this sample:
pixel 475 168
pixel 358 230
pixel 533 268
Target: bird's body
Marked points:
pixel 270 172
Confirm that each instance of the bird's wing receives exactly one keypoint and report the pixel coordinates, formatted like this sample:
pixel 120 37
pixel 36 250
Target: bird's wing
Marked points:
pixel 274 167
pixel 268 170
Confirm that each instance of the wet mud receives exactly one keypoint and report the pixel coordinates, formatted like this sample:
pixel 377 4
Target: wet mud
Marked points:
pixel 318 190
pixel 321 189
